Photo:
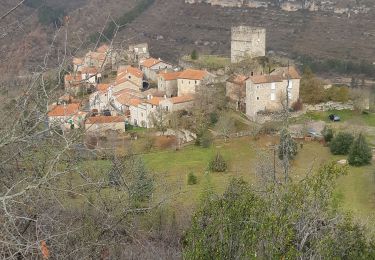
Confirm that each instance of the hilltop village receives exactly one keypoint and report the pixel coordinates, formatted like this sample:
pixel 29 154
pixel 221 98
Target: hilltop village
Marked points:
pixel 139 89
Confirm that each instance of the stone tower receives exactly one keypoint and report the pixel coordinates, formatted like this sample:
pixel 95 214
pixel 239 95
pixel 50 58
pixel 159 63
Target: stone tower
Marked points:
pixel 247 42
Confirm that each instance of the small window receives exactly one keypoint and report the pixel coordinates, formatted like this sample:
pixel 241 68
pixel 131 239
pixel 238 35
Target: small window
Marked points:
pixel 273 85
pixel 257 98
pixel 252 73
pixel 290 84
pixel 196 82
pixel 273 96
pixel 258 86
pixel 130 77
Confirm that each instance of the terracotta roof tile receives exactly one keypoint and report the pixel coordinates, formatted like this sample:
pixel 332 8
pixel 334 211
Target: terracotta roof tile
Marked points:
pixel 193 74
pixel 77 61
pixel 64 110
pixel 135 101
pixel 154 101
pixel 102 87
pixel 104 119
pixel 170 75
pixel 89 70
pixel 265 79
pixel 238 79
pixel 122 71
pixel 148 63
pixel 182 99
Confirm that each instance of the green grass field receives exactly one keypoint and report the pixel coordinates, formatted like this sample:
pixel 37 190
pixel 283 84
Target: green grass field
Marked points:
pixel 345 115
pixel 356 191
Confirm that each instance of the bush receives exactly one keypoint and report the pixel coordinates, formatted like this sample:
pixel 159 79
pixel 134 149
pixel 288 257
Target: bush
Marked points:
pixel 340 145
pixel 204 139
pixel 338 93
pixel 360 152
pixel 192 179
pixel 327 134
pixel 298 105
pixel 218 164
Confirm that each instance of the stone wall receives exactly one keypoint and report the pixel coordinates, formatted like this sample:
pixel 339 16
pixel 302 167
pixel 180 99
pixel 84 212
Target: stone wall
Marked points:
pixel 329 106
pixel 247 42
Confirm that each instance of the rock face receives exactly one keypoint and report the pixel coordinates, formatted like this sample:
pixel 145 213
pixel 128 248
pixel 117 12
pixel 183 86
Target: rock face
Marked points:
pixel 247 42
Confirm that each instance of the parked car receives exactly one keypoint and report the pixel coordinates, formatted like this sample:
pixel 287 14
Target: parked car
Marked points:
pixel 334 118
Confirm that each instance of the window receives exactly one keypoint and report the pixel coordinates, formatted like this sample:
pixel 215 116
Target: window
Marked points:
pixel 196 82
pixel 257 98
pixel 258 86
pixel 273 85
pixel 252 73
pixel 130 77
pixel 166 108
pixel 273 96
pixel 290 84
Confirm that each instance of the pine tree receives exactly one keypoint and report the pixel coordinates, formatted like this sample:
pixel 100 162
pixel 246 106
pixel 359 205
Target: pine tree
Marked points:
pixel 194 55
pixel 288 147
pixel 360 152
pixel 340 145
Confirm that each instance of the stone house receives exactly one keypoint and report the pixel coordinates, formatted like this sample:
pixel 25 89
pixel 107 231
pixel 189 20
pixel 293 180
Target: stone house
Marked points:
pixel 121 101
pixel 100 99
pixel 128 78
pixel 167 83
pixel 236 91
pixel 66 116
pixel 151 68
pixel 73 83
pixel 91 75
pixel 138 52
pixel 78 64
pixel 270 93
pixel 99 125
pixel 190 79
pixel 141 110
pixel 174 104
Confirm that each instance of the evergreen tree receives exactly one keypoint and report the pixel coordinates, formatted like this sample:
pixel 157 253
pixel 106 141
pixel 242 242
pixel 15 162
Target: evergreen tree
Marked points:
pixel 218 164
pixel 288 147
pixel 340 145
pixel 194 55
pixel 360 152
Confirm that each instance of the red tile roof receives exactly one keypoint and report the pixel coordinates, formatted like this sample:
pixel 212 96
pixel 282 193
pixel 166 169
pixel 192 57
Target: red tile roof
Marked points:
pixel 265 79
pixel 102 87
pixel 182 99
pixel 154 100
pixel 71 78
pixel 148 63
pixel 89 70
pixel 77 61
pixel 104 119
pixel 122 71
pixel 238 79
pixel 170 75
pixel 64 110
pixel 135 101
pixel 193 74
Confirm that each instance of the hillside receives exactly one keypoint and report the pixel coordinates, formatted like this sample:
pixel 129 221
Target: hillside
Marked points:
pixel 173 28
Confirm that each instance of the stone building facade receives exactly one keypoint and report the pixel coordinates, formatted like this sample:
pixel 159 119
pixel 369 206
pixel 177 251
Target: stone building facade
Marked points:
pixel 270 93
pixel 247 42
